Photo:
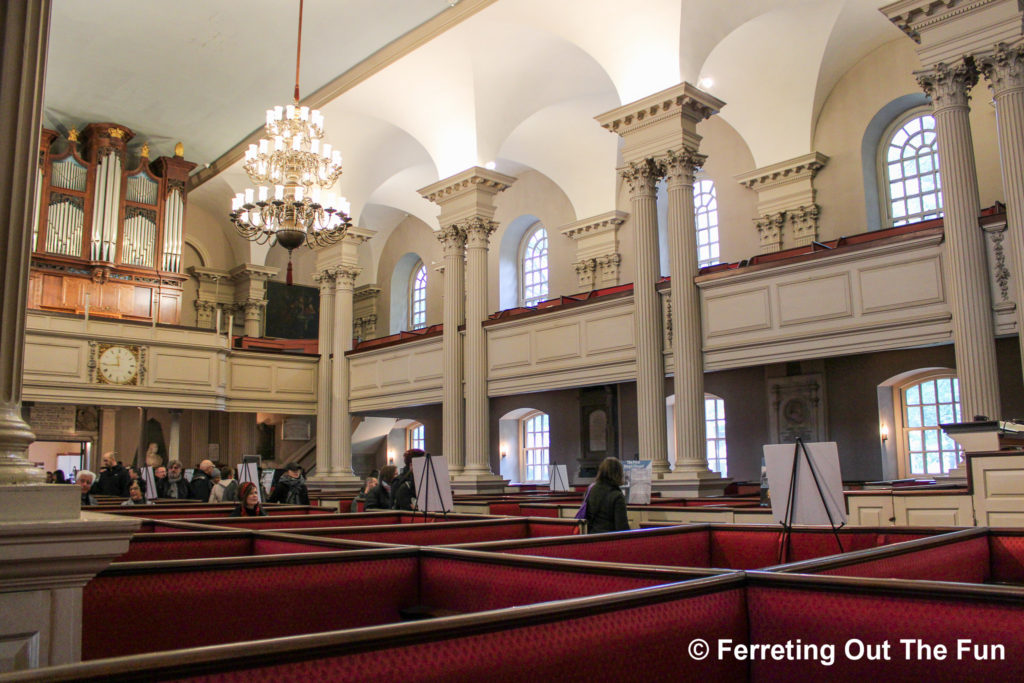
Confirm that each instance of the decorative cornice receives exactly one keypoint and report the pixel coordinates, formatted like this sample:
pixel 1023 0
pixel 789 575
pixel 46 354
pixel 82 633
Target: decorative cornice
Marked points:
pixel 913 17
pixel 208 274
pixel 784 172
pixel 364 292
pixel 476 179
pixel 684 99
pixel 595 225
pixel 249 271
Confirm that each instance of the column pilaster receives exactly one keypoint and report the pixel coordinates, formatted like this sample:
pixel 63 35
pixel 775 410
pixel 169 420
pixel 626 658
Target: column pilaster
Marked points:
pixel 341 419
pixel 478 232
pixel 453 416
pixel 688 358
pixel 1004 70
pixel 642 178
pixel 325 280
pixel 964 259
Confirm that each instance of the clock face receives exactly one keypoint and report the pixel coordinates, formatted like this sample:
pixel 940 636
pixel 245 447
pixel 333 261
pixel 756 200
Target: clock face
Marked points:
pixel 118 365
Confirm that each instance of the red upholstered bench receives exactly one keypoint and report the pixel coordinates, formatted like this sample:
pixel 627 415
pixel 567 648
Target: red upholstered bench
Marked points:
pixel 446 533
pixel 1006 555
pixel 372 518
pixel 297 594
pixel 243 543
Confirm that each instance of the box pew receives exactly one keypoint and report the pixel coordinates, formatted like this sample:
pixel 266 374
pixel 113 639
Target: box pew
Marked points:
pixel 204 510
pixel 570 639
pixel 702 545
pixel 449 533
pixel 135 607
pixel 192 545
pixel 976 555
pixel 371 518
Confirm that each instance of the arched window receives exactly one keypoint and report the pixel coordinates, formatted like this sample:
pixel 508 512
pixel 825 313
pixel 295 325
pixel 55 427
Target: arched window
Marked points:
pixel 927 403
pixel 705 204
pixel 910 169
pixel 535 447
pixel 714 423
pixel 534 267
pixel 415 436
pixel 418 297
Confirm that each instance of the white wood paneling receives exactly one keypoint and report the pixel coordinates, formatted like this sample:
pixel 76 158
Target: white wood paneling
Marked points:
pixel 998 489
pixel 403 375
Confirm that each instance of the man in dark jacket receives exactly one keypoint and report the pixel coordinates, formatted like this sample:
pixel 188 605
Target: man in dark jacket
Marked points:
pixel 291 487
pixel 403 490
pixel 113 479
pixel 201 482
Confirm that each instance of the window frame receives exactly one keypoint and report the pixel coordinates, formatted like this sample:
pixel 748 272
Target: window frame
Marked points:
pixel 524 459
pixel 902 430
pixel 413 279
pixel 524 244
pixel 882 170
pixel 414 440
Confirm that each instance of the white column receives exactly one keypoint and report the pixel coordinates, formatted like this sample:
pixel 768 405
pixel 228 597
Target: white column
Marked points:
pixel 253 317
pixel 341 419
pixel 478 232
pixel 453 415
pixel 1004 69
pixel 23 42
pixel 964 258
pixel 325 279
pixel 642 178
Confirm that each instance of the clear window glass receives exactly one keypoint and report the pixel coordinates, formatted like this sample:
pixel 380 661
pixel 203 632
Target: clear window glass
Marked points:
pixel 926 405
pixel 714 416
pixel 535 448
pixel 415 437
pixel 911 170
pixel 418 298
pixel 534 270
pixel 705 205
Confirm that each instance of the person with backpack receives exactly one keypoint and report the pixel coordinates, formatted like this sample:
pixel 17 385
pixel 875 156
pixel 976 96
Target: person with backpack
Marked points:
pixel 226 488
pixel 291 487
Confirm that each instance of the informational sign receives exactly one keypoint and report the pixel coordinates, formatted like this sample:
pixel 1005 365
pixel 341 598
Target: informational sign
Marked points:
pixel 559 478
pixel 433 486
pixel 638 479
pixel 46 419
pixel 819 483
pixel 296 430
pixel 150 479
pixel 250 471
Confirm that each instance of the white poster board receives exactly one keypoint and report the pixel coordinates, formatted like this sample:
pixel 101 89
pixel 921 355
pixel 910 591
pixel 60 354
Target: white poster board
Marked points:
pixel 249 471
pixel 433 485
pixel 559 478
pixel 638 479
pixel 808 505
pixel 150 479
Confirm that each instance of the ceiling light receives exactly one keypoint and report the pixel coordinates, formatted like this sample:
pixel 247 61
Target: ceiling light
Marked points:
pixel 293 203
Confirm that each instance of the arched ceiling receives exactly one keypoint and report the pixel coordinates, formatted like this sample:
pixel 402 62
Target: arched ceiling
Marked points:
pixel 514 82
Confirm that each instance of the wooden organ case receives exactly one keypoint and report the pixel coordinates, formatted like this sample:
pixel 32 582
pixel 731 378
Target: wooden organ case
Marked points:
pixel 108 238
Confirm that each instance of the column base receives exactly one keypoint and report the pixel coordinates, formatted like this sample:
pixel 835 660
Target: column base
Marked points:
pixel 49 550
pixel 335 483
pixel 696 483
pixel 471 482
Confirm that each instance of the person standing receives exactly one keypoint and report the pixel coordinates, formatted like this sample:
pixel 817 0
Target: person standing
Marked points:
pixel 202 482
pixel 174 485
pixel 85 480
pixel 403 495
pixel 380 497
pixel 226 488
pixel 606 504
pixel 291 487
pixel 113 480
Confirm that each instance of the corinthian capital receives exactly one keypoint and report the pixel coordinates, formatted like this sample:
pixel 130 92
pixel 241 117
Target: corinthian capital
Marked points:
pixel 477 230
pixel 452 239
pixel 642 176
pixel 324 279
pixel 680 166
pixel 1003 67
pixel 948 85
pixel 345 276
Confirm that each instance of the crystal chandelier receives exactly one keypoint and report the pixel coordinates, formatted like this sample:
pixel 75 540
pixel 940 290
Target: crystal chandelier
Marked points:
pixel 303 209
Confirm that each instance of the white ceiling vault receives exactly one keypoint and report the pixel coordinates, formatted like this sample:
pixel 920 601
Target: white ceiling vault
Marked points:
pixel 514 82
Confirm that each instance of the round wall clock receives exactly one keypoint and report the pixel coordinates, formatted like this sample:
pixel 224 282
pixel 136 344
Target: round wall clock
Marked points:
pixel 118 364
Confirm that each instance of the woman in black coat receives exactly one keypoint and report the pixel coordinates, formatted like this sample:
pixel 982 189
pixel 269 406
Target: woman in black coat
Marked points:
pixel 606 505
pixel 380 497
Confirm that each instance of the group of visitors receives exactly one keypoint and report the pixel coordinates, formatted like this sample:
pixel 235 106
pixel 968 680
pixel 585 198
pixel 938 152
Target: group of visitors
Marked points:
pixel 392 490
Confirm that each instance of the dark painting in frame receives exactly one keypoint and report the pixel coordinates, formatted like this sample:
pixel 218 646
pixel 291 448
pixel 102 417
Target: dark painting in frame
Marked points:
pixel 293 311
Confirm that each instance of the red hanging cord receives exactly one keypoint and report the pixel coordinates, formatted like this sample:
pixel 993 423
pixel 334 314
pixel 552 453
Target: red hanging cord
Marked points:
pixel 298 55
